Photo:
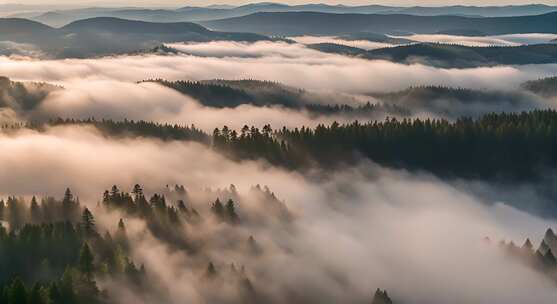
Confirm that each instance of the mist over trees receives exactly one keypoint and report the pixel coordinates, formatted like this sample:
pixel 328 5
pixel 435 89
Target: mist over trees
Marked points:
pixel 495 145
pixel 211 155
pixel 515 146
pixel 52 252
pixel 451 56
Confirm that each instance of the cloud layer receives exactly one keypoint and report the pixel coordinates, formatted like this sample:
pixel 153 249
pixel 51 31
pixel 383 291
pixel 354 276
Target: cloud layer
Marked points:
pixel 354 231
pixel 293 65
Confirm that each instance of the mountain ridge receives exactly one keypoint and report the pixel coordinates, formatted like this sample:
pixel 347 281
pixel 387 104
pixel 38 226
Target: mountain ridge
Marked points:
pixel 315 23
pixel 107 35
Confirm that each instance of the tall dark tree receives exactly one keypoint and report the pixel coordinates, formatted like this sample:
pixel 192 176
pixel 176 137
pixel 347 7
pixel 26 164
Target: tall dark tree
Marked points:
pixel 69 205
pixel 35 211
pixel 231 214
pixel 54 294
pixel 218 209
pixel 88 223
pixel 211 270
pixel 17 293
pixel 381 297
pixel 86 261
pixel 137 191
pixel 35 295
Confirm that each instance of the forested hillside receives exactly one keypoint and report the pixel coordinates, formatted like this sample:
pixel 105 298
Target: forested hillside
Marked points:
pixel 506 145
pixel 546 86
pixel 52 252
pixel 451 56
pixel 495 145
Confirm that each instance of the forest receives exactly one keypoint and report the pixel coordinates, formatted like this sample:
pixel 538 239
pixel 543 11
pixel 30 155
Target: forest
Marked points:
pixel 52 250
pixel 514 146
pixel 157 152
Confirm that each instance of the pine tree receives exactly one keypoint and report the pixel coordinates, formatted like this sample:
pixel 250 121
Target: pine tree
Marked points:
pixel 137 191
pixel 88 223
pixel 549 259
pixel 231 214
pixel 2 208
pixel 17 293
pixel 381 297
pixel 551 239
pixel 211 270
pixel 218 209
pixel 35 295
pixel 543 248
pixel 527 248
pixel 182 207
pixel 68 197
pixel 68 205
pixel 86 265
pixel 121 227
pixel 253 246
pixel 55 296
pixel 35 211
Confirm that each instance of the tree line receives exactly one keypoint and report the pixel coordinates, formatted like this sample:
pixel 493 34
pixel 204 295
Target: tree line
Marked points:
pixel 498 145
pixel 52 252
pixel 494 146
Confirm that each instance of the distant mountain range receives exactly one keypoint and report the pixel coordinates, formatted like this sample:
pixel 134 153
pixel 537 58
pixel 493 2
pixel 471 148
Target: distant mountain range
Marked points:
pixel 104 35
pixel 192 14
pixel 451 56
pixel 312 23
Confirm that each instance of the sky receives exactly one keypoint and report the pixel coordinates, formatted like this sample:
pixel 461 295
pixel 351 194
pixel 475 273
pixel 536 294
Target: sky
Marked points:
pixel 239 2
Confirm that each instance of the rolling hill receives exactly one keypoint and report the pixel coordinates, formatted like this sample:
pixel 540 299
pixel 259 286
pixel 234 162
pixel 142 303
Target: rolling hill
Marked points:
pixel 446 102
pixel 546 87
pixel 451 56
pixel 453 103
pixel 313 23
pixel 457 56
pixel 105 35
pixel 59 18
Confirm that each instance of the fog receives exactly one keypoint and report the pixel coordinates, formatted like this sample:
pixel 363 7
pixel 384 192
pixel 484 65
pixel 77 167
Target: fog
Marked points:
pixel 484 41
pixel 292 65
pixel 475 41
pixel 153 102
pixel 107 87
pixel 313 235
pixel 362 44
pixel 353 231
pixel 9 48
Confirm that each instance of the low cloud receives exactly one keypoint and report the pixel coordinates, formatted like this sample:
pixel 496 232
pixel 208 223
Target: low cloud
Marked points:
pixel 293 65
pixel 484 41
pixel 355 230
pixel 362 44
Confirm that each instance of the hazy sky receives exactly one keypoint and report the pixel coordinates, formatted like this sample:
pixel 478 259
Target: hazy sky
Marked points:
pixel 236 2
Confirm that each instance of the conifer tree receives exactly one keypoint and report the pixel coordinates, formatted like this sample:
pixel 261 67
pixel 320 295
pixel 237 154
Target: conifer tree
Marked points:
pixel 35 211
pixel 211 270
pixel 36 295
pixel 88 223
pixel 86 265
pixel 218 209
pixel 55 296
pixel 231 214
pixel 381 297
pixel 17 292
